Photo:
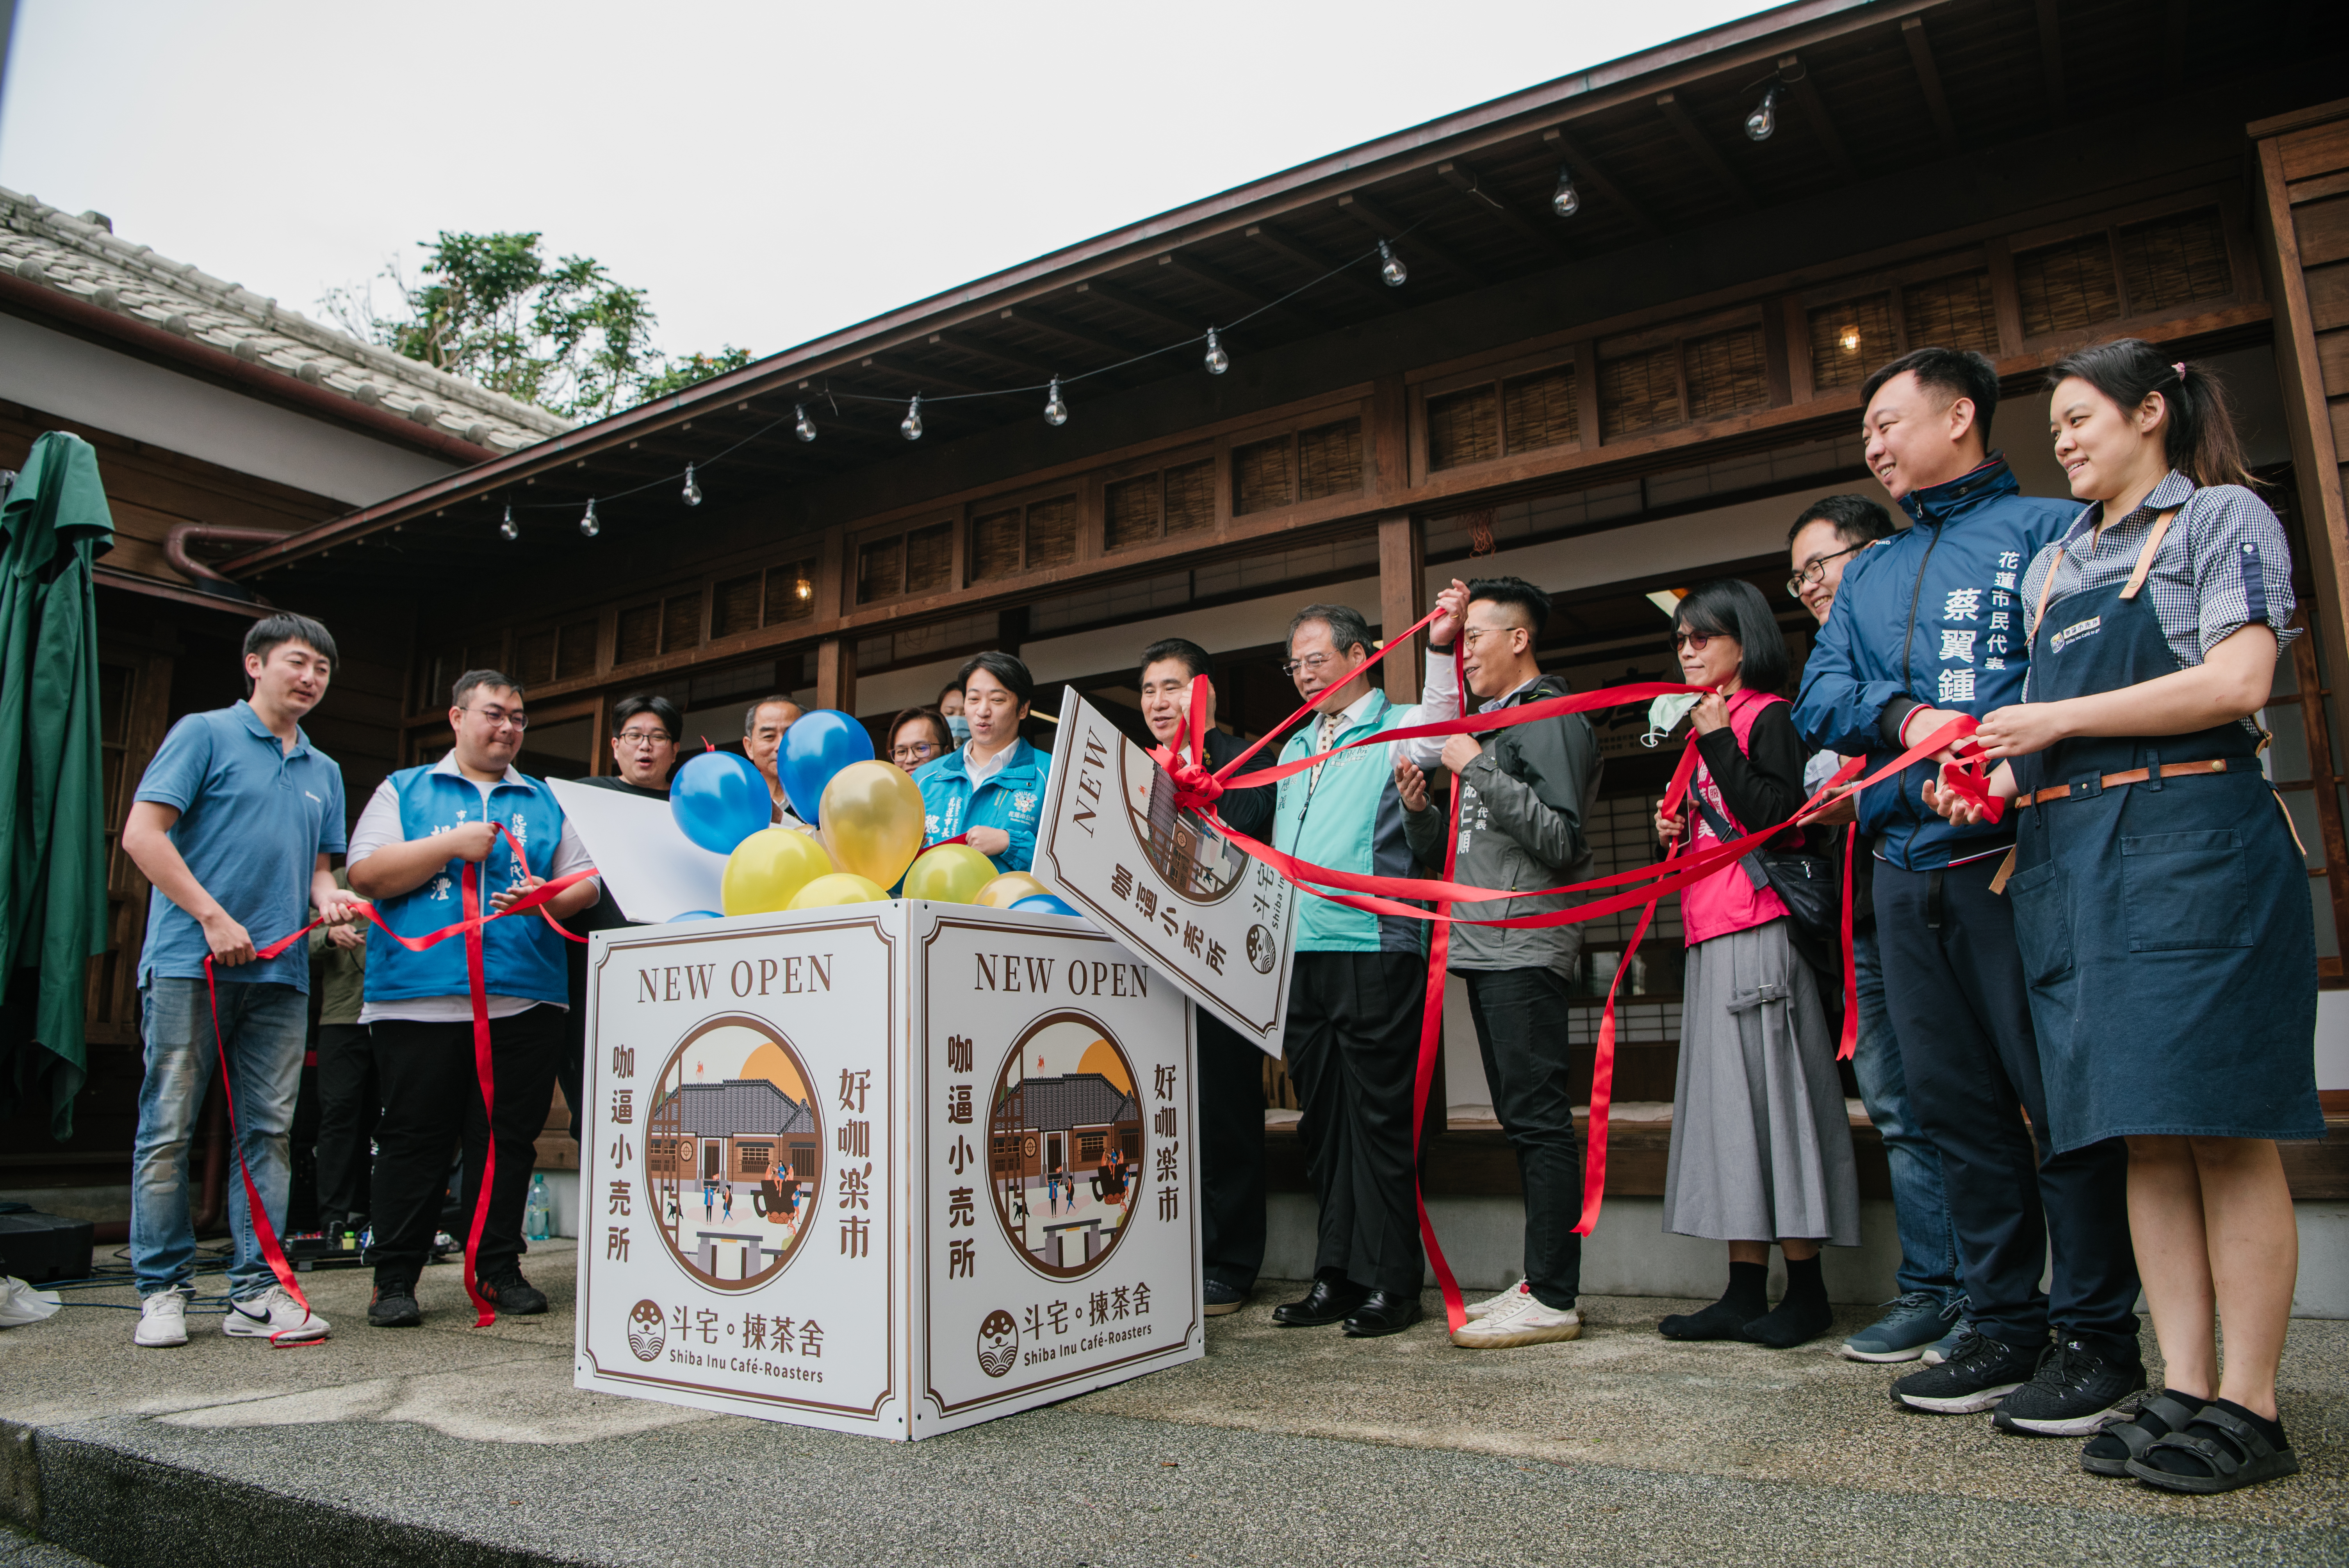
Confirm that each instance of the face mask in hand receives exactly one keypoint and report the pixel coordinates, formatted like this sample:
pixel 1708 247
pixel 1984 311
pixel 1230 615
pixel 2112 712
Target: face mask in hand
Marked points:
pixel 1664 713
pixel 959 728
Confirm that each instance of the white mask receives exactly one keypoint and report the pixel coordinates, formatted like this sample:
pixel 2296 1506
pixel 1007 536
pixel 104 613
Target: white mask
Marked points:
pixel 1665 712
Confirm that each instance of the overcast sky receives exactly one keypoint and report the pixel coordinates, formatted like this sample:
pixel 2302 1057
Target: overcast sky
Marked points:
pixel 768 172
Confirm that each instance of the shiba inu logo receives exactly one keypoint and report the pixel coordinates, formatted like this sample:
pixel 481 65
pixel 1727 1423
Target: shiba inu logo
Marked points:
pixel 998 1343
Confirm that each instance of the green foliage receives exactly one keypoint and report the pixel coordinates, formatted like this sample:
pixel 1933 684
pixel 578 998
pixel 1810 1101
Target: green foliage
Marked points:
pixel 493 309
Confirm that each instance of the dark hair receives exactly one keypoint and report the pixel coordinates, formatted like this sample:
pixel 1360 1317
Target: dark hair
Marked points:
pixel 1959 372
pixel 751 714
pixel 269 633
pixel 1733 607
pixel 1856 519
pixel 929 715
pixel 1517 593
pixel 2198 438
pixel 1348 630
pixel 1193 657
pixel 939 701
pixel 1004 668
pixel 660 707
pixel 471 679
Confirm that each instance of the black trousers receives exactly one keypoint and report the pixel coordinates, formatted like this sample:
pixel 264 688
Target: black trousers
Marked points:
pixel 1520 1016
pixel 1231 1154
pixel 431 1097
pixel 348 1107
pixel 1352 1049
pixel 1953 979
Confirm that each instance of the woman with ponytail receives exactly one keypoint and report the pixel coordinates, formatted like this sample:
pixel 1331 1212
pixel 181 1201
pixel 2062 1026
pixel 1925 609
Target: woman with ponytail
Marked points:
pixel 2160 900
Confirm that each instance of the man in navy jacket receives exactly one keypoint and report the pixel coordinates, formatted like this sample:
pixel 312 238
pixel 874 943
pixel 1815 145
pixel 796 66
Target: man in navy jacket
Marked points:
pixel 1928 624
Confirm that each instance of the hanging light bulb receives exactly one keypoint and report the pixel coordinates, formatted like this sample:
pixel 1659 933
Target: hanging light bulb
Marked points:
pixel 802 426
pixel 1217 360
pixel 1390 268
pixel 910 426
pixel 1565 201
pixel 1055 411
pixel 692 490
pixel 803 589
pixel 587 524
pixel 1764 118
pixel 510 527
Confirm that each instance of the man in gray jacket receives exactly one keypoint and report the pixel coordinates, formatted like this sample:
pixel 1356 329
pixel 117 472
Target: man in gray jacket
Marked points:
pixel 1522 794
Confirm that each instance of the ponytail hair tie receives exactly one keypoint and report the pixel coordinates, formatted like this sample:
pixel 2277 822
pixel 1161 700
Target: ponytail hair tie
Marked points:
pixel 2180 369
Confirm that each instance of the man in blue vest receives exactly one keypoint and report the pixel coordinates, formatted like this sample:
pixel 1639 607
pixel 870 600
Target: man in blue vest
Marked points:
pixel 424 831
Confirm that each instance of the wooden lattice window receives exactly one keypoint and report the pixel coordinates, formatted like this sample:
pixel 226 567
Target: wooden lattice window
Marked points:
pixel 1180 500
pixel 1952 312
pixel 680 622
pixel 1132 513
pixel 1640 392
pixel 929 558
pixel 1726 372
pixel 995 545
pixel 734 605
pixel 753 1159
pixel 1191 497
pixel 574 655
pixel 1051 532
pixel 1848 339
pixel 1537 410
pixel 2174 261
pixel 441 679
pixel 880 569
pixel 2065 287
pixel 639 635
pixel 1260 477
pixel 790 592
pixel 534 657
pixel 1034 538
pixel 1463 427
pixel 1330 459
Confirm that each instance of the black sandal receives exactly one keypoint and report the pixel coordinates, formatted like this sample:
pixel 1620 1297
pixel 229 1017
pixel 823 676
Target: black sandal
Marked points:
pixel 2156 1418
pixel 2244 1457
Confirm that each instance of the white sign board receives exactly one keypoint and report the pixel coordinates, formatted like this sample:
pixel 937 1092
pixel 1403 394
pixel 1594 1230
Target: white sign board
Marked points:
pixel 1163 881
pixel 892 1168
pixel 645 860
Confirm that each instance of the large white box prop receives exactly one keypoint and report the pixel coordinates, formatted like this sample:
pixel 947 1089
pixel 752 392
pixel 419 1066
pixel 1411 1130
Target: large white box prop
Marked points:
pixel 891 1168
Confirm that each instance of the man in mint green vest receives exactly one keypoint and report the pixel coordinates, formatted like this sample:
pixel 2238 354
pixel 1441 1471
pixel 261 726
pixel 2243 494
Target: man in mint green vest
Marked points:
pixel 1357 988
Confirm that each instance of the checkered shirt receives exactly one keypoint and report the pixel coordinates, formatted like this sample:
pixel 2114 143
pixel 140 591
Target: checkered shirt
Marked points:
pixel 2223 565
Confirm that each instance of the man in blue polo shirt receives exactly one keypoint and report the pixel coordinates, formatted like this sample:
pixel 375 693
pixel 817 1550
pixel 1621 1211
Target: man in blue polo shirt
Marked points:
pixel 234 824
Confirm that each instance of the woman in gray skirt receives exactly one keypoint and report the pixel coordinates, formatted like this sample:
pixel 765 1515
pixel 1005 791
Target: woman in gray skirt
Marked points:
pixel 1761 1141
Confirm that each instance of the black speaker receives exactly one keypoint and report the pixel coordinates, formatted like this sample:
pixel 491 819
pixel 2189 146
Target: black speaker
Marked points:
pixel 35 1246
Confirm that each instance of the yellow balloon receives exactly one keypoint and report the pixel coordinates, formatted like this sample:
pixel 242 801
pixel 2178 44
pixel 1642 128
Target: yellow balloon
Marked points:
pixel 767 868
pixel 1009 889
pixel 871 821
pixel 839 887
pixel 951 874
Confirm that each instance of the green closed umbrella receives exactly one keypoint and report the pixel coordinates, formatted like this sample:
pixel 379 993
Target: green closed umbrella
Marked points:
pixel 53 524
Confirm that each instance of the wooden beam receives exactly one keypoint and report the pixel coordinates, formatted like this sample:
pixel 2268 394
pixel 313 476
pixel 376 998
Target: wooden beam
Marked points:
pixel 2051 57
pixel 1702 148
pixel 1117 348
pixel 1225 284
pixel 1315 265
pixel 1462 179
pixel 1590 178
pixel 1928 81
pixel 1386 225
pixel 836 673
pixel 1403 599
pixel 1019 364
pixel 1126 300
pixel 923 378
pixel 1805 88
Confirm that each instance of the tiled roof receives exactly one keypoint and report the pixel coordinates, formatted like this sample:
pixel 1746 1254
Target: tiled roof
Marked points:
pixel 741 1108
pixel 81 258
pixel 1072 1099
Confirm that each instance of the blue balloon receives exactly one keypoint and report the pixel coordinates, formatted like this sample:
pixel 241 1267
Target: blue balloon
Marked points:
pixel 1045 903
pixel 698 914
pixel 719 799
pixel 817 745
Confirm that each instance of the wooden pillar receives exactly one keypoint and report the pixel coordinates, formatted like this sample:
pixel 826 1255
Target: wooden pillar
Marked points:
pixel 1402 598
pixel 835 673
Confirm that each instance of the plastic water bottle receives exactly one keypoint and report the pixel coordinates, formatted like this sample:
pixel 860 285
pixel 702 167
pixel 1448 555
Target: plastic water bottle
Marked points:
pixel 538 1216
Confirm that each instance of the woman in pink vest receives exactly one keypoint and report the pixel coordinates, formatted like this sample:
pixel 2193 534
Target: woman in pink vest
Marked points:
pixel 1761 1142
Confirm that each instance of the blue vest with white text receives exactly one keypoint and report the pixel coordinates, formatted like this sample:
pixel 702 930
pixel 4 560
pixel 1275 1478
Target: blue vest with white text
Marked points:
pixel 521 955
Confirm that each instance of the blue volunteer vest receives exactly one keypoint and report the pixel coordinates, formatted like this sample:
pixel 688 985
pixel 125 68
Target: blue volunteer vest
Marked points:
pixel 522 957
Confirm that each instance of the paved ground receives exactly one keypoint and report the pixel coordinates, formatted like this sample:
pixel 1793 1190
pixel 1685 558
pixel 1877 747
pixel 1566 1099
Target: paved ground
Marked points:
pixel 452 1446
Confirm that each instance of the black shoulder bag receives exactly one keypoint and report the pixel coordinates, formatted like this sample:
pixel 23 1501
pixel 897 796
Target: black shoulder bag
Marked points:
pixel 1807 884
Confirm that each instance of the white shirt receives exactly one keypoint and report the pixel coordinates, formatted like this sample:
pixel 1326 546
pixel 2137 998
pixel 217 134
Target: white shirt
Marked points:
pixel 980 772
pixel 379 827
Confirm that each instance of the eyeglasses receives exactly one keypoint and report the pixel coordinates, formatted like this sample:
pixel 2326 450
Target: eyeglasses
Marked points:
pixel 498 718
pixel 644 737
pixel 1696 640
pixel 1816 569
pixel 1313 662
pixel 913 751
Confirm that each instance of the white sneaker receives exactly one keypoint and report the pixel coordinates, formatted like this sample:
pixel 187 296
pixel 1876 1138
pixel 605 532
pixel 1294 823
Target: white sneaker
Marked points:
pixel 273 1315
pixel 1524 1321
pixel 163 1320
pixel 1491 1304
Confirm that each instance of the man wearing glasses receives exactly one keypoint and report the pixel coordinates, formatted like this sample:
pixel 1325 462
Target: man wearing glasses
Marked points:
pixel 410 853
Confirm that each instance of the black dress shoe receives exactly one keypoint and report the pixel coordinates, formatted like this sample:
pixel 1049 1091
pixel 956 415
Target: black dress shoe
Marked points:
pixel 1384 1312
pixel 1329 1301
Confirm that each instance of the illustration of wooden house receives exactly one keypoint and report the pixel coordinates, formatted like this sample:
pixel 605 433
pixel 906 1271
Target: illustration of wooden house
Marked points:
pixel 737 1131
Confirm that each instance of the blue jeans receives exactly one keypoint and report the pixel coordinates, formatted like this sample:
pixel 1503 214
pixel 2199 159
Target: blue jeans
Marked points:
pixel 266 1027
pixel 1921 1208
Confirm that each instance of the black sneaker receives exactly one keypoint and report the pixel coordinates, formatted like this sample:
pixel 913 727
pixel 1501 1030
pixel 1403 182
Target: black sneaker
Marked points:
pixel 515 1296
pixel 394 1306
pixel 1222 1298
pixel 2075 1392
pixel 1980 1373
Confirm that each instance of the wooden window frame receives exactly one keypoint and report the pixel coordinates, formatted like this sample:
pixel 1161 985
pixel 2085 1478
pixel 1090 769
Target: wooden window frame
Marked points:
pixel 902 528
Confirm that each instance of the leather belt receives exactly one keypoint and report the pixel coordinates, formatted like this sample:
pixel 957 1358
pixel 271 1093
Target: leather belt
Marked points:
pixel 2081 791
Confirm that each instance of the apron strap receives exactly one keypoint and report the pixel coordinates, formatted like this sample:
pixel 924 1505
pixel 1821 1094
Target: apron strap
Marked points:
pixel 2145 557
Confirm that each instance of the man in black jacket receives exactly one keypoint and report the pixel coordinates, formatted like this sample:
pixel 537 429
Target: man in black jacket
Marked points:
pixel 1231 1071
pixel 1522 794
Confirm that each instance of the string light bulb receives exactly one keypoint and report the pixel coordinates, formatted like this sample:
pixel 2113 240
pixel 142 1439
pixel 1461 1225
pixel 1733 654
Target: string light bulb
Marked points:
pixel 1764 118
pixel 803 589
pixel 1055 411
pixel 692 489
pixel 1565 201
pixel 587 524
pixel 911 426
pixel 802 426
pixel 1218 361
pixel 1390 268
pixel 510 527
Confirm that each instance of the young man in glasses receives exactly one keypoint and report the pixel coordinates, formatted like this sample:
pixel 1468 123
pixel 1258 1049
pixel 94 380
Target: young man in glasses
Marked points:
pixel 422 833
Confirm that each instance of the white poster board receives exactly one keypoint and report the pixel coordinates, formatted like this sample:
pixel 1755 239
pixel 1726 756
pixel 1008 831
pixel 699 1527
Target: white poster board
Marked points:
pixel 647 865
pixel 1163 881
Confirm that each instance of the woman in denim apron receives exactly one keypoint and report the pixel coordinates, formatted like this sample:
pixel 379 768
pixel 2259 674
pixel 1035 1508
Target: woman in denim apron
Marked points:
pixel 2159 897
